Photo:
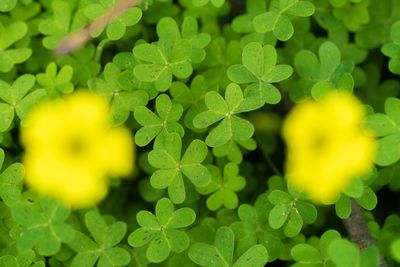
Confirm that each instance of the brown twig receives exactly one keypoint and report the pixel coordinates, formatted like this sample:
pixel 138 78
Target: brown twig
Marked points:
pixel 78 39
pixel 358 229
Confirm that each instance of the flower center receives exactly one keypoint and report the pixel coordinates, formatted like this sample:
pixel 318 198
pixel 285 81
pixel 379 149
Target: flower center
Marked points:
pixel 319 143
pixel 76 146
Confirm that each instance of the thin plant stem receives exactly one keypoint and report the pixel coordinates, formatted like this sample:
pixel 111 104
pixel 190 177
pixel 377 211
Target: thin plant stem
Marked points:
pixel 272 165
pixel 78 39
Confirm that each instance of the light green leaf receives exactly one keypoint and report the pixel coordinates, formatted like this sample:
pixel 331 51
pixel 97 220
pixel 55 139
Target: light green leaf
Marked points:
pixel 344 253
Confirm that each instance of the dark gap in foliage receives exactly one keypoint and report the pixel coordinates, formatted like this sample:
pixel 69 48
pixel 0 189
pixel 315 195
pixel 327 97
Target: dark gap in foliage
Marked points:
pixel 388 203
pixel 317 30
pixel 238 7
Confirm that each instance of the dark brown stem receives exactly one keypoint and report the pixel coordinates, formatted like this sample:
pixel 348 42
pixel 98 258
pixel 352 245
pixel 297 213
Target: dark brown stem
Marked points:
pixel 358 229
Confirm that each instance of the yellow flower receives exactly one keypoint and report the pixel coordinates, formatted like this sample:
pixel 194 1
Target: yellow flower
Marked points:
pixel 327 146
pixel 70 148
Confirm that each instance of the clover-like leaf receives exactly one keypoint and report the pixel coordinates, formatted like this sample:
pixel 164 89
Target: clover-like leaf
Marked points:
pixel 375 91
pixel 244 23
pixel 18 99
pixel 377 31
pixel 8 36
pixel 116 28
pixel 163 231
pixel 290 213
pixel 353 15
pixel 387 127
pixel 123 100
pixel 321 76
pixel 166 120
pixel 172 167
pixel 10 182
pixel 54 82
pixel 84 64
pixel 260 70
pixel 103 248
pixel 171 55
pixel 222 189
pixel 359 191
pixel 191 99
pixel 7 5
pixel 344 253
pixel 22 259
pixel 253 229
pixel 395 249
pixel 216 3
pixel 221 254
pixel 233 150
pixel 277 19
pixel 198 41
pixel 392 49
pixel 225 110
pixel 220 55
pixel 309 255
pixel 43 228
pixel 60 24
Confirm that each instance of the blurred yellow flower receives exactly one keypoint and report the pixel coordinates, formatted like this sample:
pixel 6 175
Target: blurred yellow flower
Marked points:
pixel 70 148
pixel 327 146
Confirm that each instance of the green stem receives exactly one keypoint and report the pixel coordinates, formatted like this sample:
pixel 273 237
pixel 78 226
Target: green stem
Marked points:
pixel 272 165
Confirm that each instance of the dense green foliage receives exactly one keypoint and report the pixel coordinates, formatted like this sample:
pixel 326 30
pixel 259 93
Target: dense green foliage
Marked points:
pixel 204 86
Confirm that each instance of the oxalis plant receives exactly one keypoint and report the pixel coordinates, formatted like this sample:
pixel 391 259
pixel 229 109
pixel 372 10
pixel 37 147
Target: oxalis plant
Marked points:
pixel 251 133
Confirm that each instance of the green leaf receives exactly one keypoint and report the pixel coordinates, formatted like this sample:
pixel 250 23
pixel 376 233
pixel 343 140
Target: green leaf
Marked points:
pixel 10 180
pixel 253 257
pixel 387 127
pixel 222 189
pixel 171 166
pixel 160 124
pixel 172 54
pixel 14 93
pixel 370 257
pixel 277 197
pixel 43 228
pixel 222 253
pixel 307 211
pixel 60 24
pixel 260 70
pixel 278 215
pixel 114 257
pixel 56 83
pixel 343 207
pixel 368 200
pixel 103 248
pixel 344 253
pixel 328 74
pixel 206 255
pixel 395 249
pixel 7 115
pixel 306 253
pixel 203 254
pixel 7 5
pixel 2 156
pixel 294 224
pixel 96 225
pixel 123 99
pixel 277 19
pixel 116 28
pixel 232 126
pixel 161 231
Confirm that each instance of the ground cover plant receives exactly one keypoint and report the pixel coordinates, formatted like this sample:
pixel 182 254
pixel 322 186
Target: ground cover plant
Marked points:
pixel 215 133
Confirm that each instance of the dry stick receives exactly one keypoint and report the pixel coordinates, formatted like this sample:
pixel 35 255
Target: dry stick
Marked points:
pixel 78 39
pixel 358 229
